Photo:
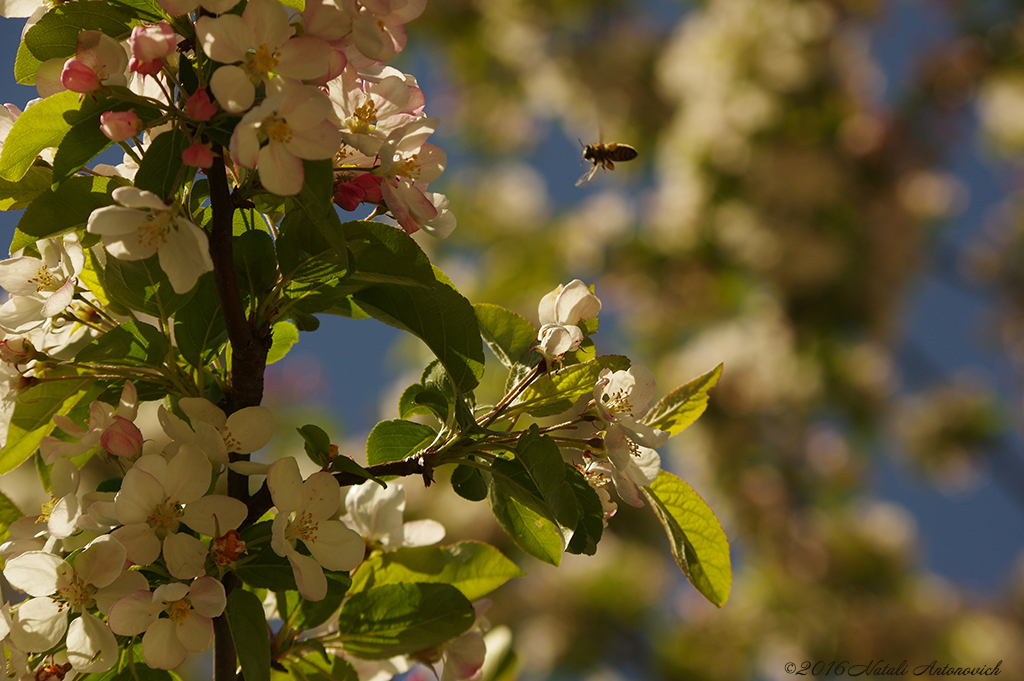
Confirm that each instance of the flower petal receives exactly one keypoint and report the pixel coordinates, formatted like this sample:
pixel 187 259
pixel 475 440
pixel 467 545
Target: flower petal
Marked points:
pixel 91 645
pixel 161 648
pixel 185 555
pixel 309 577
pixel 336 547
pixel 38 625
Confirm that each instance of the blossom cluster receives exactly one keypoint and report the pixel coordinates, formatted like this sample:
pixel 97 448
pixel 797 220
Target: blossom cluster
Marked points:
pixel 293 87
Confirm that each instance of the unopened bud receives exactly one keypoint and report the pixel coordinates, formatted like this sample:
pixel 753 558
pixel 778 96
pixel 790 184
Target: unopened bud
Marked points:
pixel 123 438
pixel 16 351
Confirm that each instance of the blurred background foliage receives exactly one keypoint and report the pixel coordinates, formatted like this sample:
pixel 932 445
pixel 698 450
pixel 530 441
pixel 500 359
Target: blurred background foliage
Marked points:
pixel 806 169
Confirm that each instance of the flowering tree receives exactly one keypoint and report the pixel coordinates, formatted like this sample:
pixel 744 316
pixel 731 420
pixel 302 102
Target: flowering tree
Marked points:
pixel 179 275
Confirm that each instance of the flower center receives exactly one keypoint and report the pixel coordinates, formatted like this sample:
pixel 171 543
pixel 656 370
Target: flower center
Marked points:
pixel 261 61
pixel 231 443
pixel 47 510
pixel 303 527
pixel 361 121
pixel 75 593
pixel 154 229
pixel 44 279
pixel 165 516
pixel 618 403
pixel 410 168
pixel 178 611
pixel 277 129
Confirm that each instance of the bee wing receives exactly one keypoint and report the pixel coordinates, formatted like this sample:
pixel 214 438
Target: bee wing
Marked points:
pixel 586 177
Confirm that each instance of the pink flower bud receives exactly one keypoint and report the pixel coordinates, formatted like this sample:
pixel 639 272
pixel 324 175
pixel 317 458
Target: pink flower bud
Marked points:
pixel 150 45
pixel 199 107
pixel 120 125
pixel 198 155
pixel 123 438
pixel 78 77
pixel 364 188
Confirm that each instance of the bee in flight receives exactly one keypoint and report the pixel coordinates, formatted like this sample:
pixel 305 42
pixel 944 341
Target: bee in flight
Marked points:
pixel 604 156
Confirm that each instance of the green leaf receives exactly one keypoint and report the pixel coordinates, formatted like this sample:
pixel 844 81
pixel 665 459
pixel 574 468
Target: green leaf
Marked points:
pixel 468 482
pixel 249 630
pixel 34 411
pixel 417 400
pixel 397 440
pixel 695 536
pixel 161 166
pixel 9 512
pixel 255 263
pixel 199 328
pixel 676 411
pixel 316 203
pixel 556 392
pixel 383 254
pixel 18 195
pixel 65 208
pixel 439 316
pixel 303 614
pixel 317 443
pixel 313 667
pixel 130 343
pixel 507 334
pixel 264 569
pixel 42 125
pixel 591 523
pixel 522 514
pixel 474 568
pixel 542 459
pixel 399 619
pixel 142 286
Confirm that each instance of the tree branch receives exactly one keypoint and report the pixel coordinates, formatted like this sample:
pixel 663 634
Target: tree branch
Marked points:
pixel 249 346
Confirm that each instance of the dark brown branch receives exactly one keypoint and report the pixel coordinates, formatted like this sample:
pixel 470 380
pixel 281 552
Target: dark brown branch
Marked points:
pixel 260 502
pixel 249 346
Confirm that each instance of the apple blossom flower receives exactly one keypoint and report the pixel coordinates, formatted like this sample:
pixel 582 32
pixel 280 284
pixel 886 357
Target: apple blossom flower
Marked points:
pixel 217 434
pixel 370 110
pixel 58 589
pixel 109 426
pixel 376 512
pixel 188 627
pixel 295 123
pixel 304 509
pixel 150 45
pixel 408 164
pixel 560 311
pixel 621 398
pixel 261 39
pixel 378 30
pixel 156 496
pixel 120 125
pixel 143 225
pixel 43 287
